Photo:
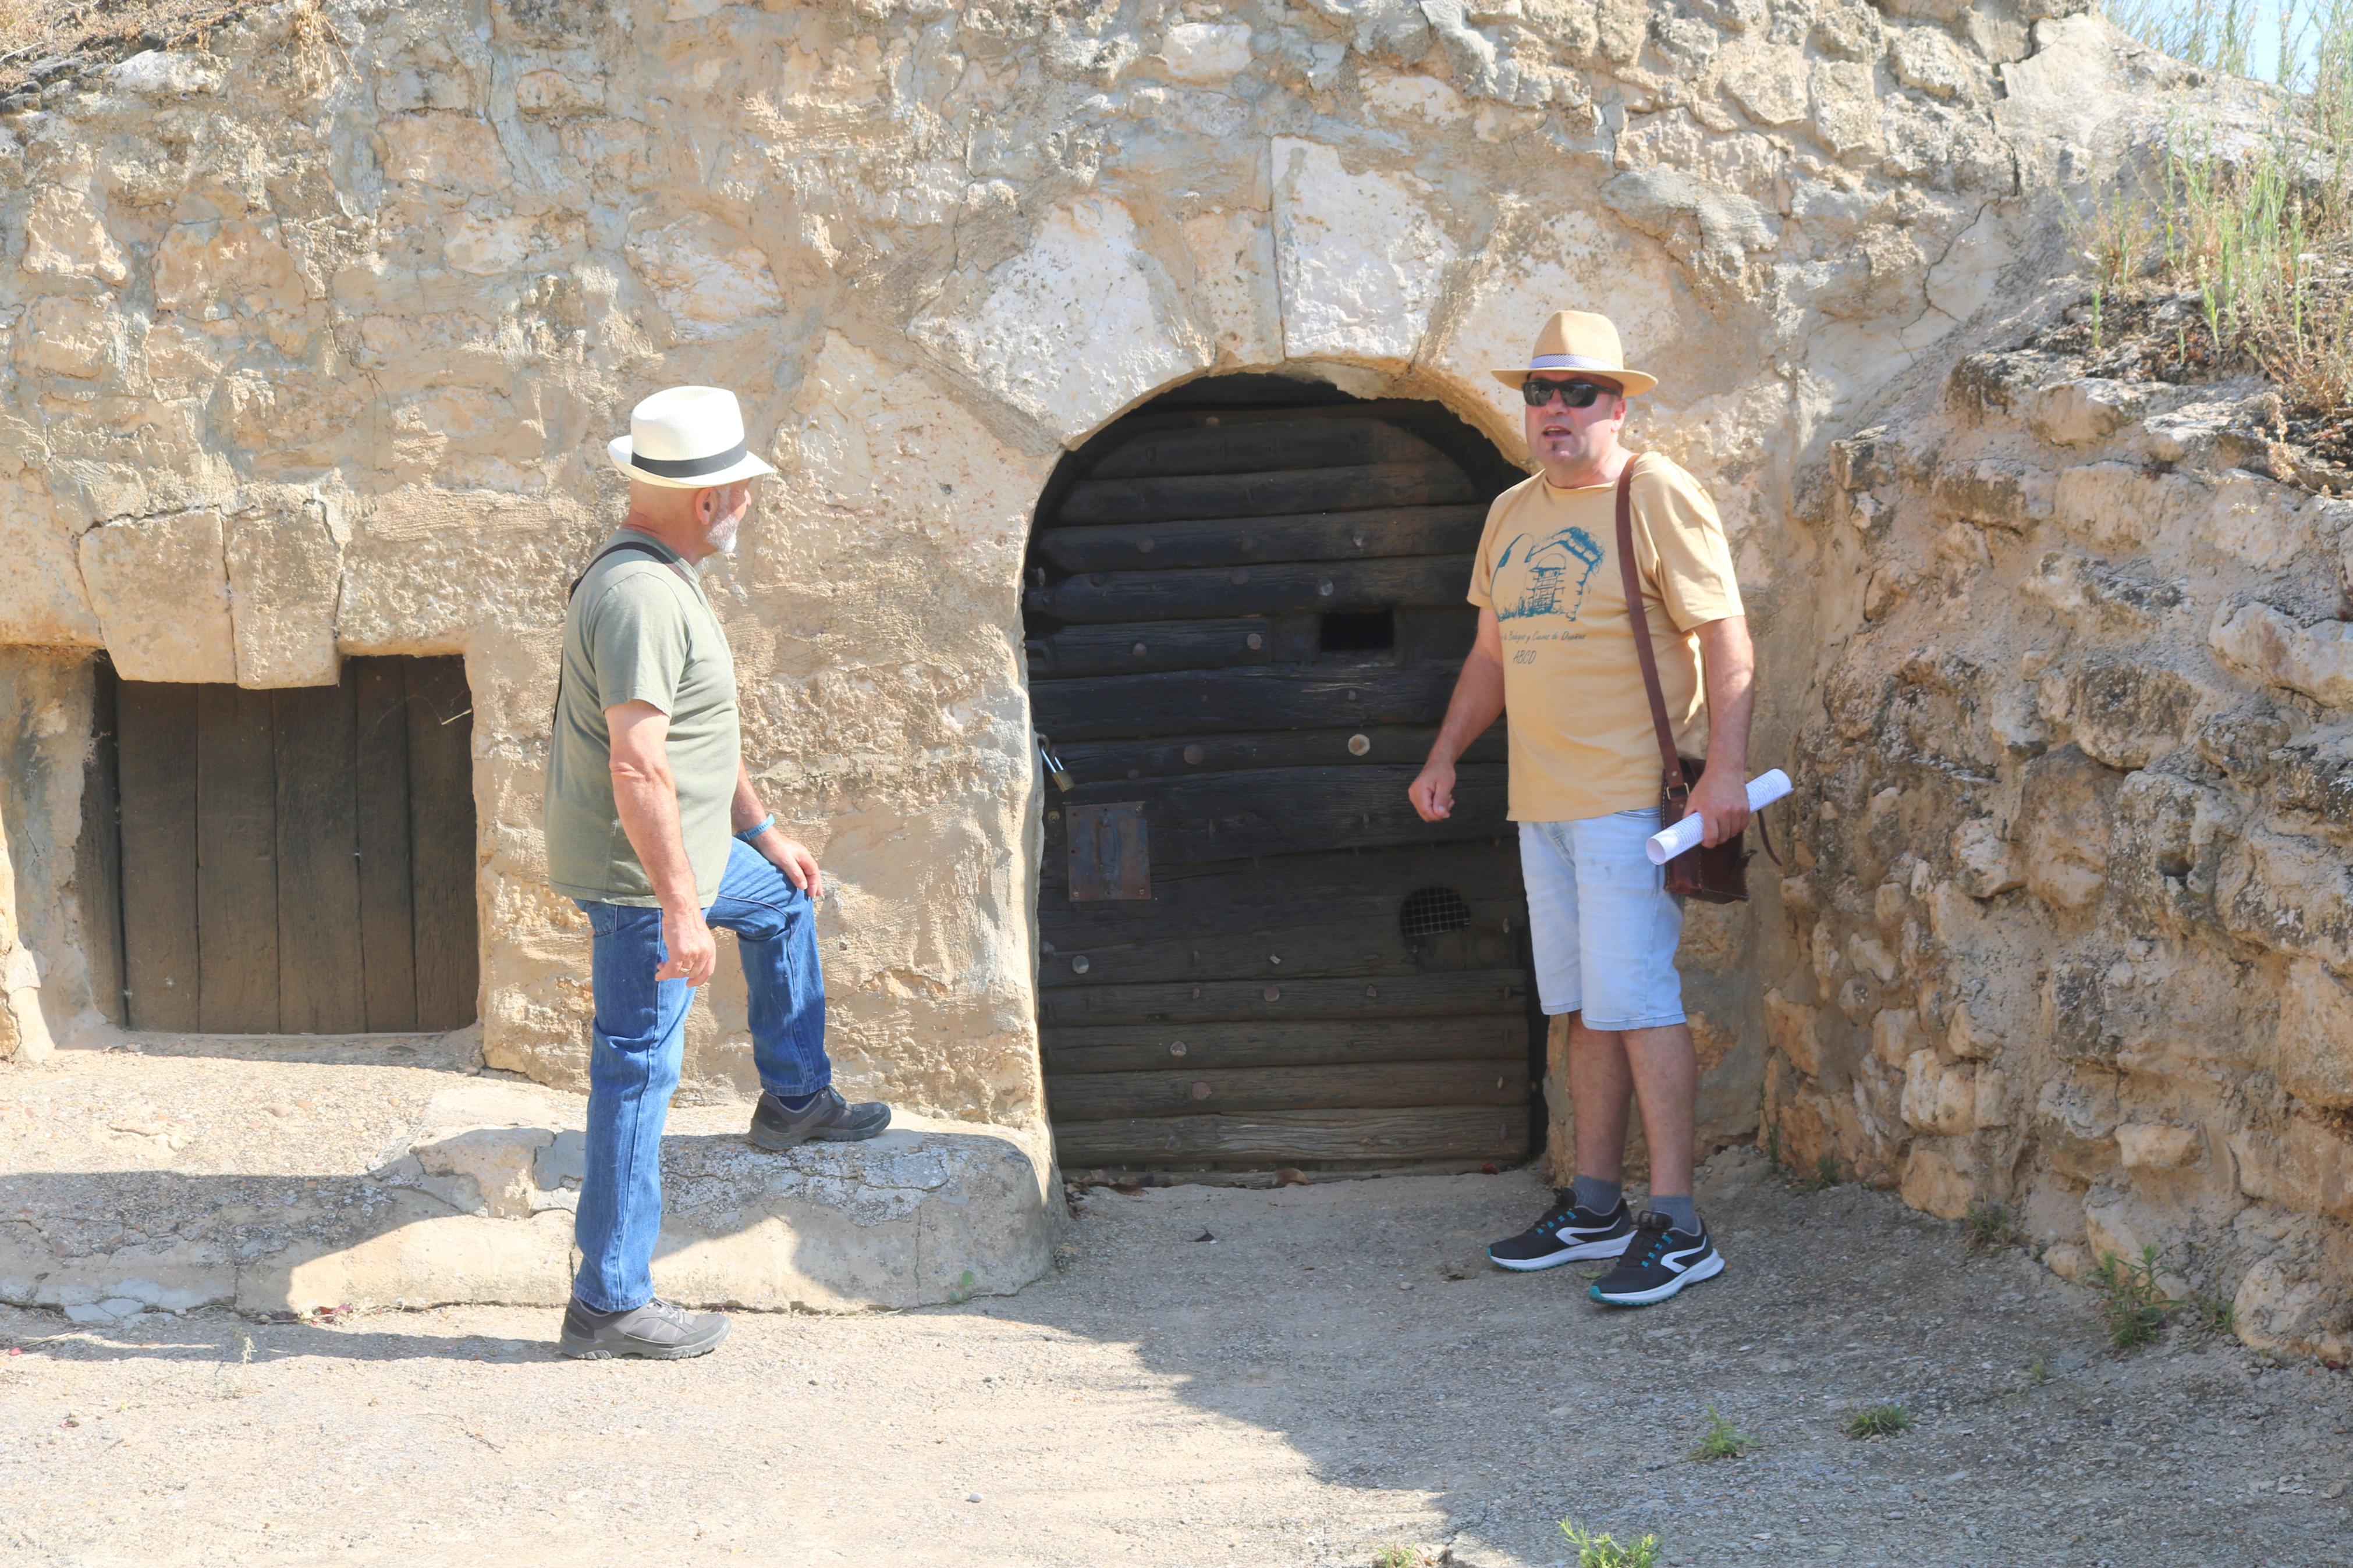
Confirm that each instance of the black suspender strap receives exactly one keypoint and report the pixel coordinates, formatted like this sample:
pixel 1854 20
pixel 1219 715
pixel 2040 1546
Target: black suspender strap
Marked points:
pixel 627 547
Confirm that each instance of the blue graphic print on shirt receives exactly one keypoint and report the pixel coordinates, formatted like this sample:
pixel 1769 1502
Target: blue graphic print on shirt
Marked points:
pixel 1547 566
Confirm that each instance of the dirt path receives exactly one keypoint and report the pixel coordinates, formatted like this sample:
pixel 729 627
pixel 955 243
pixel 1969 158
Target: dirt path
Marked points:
pixel 1308 1386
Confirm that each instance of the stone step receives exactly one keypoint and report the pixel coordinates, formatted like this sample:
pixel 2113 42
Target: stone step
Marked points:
pixel 110 1204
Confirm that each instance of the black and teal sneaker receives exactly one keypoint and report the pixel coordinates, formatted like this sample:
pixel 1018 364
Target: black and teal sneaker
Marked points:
pixel 1565 1233
pixel 1659 1261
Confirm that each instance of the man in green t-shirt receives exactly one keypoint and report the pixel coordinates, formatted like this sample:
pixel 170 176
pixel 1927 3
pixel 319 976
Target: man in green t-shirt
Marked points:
pixel 655 831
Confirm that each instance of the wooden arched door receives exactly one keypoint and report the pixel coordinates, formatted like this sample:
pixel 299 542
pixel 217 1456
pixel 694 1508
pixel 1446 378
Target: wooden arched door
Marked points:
pixel 1244 614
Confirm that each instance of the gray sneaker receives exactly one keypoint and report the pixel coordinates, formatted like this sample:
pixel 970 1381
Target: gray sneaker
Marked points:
pixel 658 1330
pixel 830 1118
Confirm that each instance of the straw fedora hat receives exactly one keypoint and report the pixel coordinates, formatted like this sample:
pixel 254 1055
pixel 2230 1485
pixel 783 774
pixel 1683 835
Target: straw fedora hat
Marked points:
pixel 1579 339
pixel 687 438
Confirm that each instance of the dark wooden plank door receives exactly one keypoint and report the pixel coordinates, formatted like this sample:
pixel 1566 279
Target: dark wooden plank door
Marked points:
pixel 1248 621
pixel 298 861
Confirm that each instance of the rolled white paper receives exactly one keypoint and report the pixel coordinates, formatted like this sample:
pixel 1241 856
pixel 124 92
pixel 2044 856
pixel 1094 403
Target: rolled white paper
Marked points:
pixel 1666 844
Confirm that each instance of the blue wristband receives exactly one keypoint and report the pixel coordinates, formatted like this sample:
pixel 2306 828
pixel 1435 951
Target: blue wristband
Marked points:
pixel 749 833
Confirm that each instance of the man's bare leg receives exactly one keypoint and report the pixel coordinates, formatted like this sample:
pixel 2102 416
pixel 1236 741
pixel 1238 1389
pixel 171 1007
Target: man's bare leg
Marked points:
pixel 1600 1087
pixel 1665 1070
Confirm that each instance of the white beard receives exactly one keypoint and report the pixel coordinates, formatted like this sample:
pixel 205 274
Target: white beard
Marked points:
pixel 723 537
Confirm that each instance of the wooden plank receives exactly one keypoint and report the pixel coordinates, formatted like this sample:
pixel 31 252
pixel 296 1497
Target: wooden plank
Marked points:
pixel 162 968
pixel 1464 993
pixel 1143 646
pixel 236 862
pixel 1106 1097
pixel 1286 811
pixel 441 841
pixel 1198 592
pixel 98 850
pixel 1216 898
pixel 1386 746
pixel 1166 1047
pixel 1433 482
pixel 1367 940
pixel 387 934
pixel 1204 702
pixel 1219 447
pixel 1298 1137
pixel 322 977
pixel 1241 541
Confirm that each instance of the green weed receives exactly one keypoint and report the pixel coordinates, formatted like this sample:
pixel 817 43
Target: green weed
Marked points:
pixel 1720 1441
pixel 2130 1302
pixel 1878 1421
pixel 2039 1370
pixel 1991 1227
pixel 2217 1312
pixel 1397 1554
pixel 1603 1551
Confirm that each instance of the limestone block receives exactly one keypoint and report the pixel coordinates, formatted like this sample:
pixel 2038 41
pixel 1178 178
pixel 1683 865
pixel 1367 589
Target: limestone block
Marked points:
pixel 72 335
pixel 1928 59
pixel 1361 258
pixel 2156 1146
pixel 454 151
pixel 1991 1108
pixel 1769 85
pixel 1896 1037
pixel 2316 658
pixel 2292 895
pixel 1996 492
pixel 710 280
pixel 2169 834
pixel 2100 596
pixel 551 94
pixel 2121 505
pixel 2299 1162
pixel 927 1212
pixel 210 268
pixel 2121 711
pixel 2312 1042
pixel 285 574
pixel 2279 1311
pixel 1789 1029
pixel 1939 1096
pixel 2064 820
pixel 174 1274
pixel 2085 411
pixel 1849 32
pixel 1074 328
pixel 1233 285
pixel 1846 108
pixel 1712 229
pixel 1937 1181
pixel 1986 864
pixel 1210 53
pixel 65 236
pixel 424 567
pixel 487 246
pixel 46 602
pixel 164 74
pixel 161 589
pixel 1972 1032
pixel 425 1257
pixel 2267 525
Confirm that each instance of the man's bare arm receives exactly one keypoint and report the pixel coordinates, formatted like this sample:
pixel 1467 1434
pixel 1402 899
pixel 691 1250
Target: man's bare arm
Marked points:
pixel 646 795
pixel 1477 701
pixel 1728 662
pixel 790 855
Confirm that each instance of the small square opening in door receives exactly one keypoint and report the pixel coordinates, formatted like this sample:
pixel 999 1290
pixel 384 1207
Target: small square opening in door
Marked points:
pixel 1358 631
pixel 297 861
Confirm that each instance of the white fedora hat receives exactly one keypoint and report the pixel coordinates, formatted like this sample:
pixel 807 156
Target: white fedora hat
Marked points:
pixel 688 437
pixel 1580 340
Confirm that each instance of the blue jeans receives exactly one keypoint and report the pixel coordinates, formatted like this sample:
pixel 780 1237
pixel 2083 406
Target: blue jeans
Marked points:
pixel 638 1043
pixel 1603 925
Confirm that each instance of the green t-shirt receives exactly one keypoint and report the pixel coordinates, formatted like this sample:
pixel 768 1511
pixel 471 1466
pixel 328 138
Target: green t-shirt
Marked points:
pixel 636 632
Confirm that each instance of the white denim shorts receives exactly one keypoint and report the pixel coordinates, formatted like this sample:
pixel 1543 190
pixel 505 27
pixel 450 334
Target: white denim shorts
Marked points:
pixel 1603 925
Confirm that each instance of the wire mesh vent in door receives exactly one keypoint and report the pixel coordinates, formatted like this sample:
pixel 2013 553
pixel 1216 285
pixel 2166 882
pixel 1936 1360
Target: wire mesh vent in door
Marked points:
pixel 1433 912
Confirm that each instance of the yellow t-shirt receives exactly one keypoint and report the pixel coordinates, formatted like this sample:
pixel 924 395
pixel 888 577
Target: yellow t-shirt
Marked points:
pixel 1582 741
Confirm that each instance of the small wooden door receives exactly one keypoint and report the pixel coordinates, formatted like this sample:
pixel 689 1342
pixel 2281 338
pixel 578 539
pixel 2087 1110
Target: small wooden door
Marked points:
pixel 1246 619
pixel 297 861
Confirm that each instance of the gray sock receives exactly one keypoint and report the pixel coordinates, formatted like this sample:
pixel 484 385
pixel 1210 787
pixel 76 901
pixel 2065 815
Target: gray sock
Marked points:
pixel 1679 1210
pixel 1593 1192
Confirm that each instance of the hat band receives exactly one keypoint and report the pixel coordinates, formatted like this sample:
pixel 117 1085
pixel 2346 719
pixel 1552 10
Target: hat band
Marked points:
pixel 1573 362
pixel 688 467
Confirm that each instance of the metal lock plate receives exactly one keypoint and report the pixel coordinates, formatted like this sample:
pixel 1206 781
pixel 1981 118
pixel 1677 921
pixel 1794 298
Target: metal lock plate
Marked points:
pixel 1110 852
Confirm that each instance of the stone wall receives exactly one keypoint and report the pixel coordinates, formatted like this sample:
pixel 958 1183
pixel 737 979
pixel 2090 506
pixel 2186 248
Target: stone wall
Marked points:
pixel 2075 901
pixel 308 344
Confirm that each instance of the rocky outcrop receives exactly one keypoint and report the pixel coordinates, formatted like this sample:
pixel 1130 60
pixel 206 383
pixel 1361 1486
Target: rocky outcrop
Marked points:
pixel 2080 821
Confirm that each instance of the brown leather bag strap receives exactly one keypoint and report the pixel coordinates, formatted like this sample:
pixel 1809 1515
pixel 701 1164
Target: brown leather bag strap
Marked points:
pixel 1676 789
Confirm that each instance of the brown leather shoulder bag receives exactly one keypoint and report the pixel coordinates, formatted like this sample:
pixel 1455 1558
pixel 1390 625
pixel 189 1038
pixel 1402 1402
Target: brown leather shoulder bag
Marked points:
pixel 1718 874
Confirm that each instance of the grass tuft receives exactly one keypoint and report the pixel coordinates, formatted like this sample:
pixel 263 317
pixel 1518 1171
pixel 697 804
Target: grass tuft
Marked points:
pixel 1878 1421
pixel 1603 1551
pixel 1397 1554
pixel 2217 1312
pixel 2131 1305
pixel 1991 1227
pixel 1720 1441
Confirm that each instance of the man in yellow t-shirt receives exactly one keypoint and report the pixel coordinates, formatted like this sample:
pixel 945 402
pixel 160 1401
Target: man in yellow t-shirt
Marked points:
pixel 1555 653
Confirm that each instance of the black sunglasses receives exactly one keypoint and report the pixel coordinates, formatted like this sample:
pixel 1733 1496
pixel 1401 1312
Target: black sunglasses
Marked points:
pixel 1572 393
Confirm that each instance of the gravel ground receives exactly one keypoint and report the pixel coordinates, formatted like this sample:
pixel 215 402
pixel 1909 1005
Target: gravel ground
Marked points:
pixel 1218 1376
